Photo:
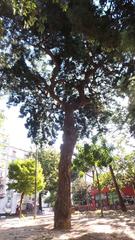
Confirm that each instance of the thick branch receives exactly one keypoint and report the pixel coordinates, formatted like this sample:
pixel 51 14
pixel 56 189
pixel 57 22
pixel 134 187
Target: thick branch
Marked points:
pixel 80 102
pixel 21 68
pixel 55 58
pixel 54 75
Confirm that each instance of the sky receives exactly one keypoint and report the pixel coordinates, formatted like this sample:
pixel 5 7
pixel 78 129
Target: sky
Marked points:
pixel 15 130
pixel 17 133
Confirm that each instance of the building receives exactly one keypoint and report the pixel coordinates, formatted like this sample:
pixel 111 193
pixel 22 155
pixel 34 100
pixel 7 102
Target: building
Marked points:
pixel 8 198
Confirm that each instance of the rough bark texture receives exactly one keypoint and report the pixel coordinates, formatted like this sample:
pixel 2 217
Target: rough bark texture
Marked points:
pixel 121 202
pixel 62 218
pixel 21 200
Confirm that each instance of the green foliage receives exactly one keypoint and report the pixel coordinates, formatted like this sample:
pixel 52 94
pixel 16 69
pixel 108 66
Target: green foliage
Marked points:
pixel 49 160
pixel 23 7
pixel 105 179
pixel 92 155
pixel 22 176
pixel 124 169
pixel 76 66
pixel 84 17
pixel 79 192
pixel 64 64
pixel 128 87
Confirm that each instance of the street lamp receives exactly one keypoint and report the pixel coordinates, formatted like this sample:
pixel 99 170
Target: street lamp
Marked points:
pixel 35 184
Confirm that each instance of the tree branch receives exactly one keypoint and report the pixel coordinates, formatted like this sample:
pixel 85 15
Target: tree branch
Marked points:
pixel 21 67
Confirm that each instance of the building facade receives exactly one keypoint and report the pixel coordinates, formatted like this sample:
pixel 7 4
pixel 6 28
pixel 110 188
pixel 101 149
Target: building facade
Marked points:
pixel 8 198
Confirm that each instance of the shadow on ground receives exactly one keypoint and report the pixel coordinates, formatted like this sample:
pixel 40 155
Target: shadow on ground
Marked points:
pixel 102 236
pixel 27 233
pixel 44 233
pixel 120 227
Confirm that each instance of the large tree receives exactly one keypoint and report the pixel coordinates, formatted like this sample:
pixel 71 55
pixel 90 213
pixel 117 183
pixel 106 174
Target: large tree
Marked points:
pixel 63 71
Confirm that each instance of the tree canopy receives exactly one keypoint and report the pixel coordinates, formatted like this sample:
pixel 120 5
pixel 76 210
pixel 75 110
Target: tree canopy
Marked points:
pixel 58 65
pixel 91 155
pixel 22 174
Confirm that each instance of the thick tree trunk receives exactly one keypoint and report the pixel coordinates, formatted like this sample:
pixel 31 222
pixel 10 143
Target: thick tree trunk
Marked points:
pixel 100 196
pixel 21 200
pixel 62 217
pixel 121 202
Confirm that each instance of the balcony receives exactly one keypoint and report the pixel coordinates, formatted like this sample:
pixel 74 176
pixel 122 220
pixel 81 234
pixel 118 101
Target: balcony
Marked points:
pixel 2 187
pixel 2 195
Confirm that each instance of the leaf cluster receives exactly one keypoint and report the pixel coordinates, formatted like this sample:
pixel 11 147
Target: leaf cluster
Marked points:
pixel 124 169
pixel 21 174
pixel 49 160
pixel 92 155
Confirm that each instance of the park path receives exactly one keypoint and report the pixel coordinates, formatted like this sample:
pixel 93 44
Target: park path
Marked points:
pixel 84 227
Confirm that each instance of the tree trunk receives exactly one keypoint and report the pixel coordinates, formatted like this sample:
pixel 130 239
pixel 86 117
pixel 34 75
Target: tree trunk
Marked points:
pixel 99 189
pixel 93 176
pixel 107 200
pixel 121 202
pixel 21 200
pixel 62 215
pixel 40 201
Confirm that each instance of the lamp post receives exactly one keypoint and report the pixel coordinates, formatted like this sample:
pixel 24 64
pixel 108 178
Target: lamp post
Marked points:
pixel 35 184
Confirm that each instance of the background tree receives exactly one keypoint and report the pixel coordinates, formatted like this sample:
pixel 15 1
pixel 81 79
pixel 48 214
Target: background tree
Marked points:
pixel 99 156
pixel 63 75
pixel 91 157
pixel 80 192
pixel 21 174
pixel 49 160
pixel 124 170
pixel 124 167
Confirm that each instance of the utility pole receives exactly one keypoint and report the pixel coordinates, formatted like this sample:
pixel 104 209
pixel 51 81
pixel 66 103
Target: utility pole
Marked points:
pixel 35 184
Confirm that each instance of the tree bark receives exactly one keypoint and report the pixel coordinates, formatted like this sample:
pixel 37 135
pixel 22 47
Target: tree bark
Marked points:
pixel 121 202
pixel 21 200
pixel 62 215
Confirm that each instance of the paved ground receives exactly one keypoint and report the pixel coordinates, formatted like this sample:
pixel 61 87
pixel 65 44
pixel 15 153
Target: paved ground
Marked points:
pixel 114 226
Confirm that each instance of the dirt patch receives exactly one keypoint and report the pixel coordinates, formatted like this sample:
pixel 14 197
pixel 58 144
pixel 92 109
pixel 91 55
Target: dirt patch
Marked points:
pixel 97 236
pixel 114 226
